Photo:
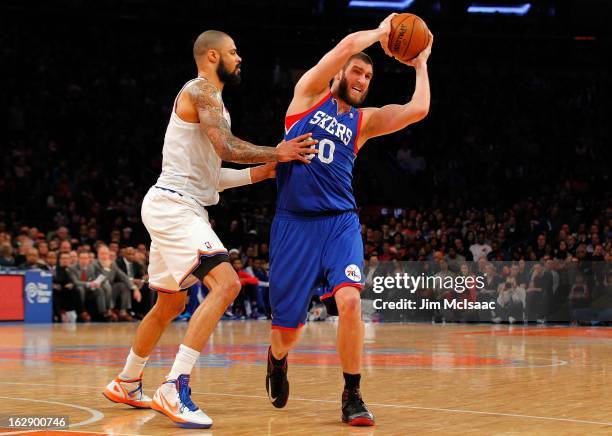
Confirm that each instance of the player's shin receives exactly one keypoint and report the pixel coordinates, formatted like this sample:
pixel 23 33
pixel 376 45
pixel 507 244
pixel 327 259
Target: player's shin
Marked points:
pixel 350 329
pixel 152 326
pixel 350 349
pixel 205 318
pixel 282 341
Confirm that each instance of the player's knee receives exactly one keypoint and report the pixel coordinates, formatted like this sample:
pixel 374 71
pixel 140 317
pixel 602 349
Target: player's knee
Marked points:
pixel 349 303
pixel 172 311
pixel 229 290
pixel 288 338
pixel 176 309
pixel 167 310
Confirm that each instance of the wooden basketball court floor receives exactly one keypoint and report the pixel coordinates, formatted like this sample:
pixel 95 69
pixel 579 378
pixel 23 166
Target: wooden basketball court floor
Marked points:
pixel 417 379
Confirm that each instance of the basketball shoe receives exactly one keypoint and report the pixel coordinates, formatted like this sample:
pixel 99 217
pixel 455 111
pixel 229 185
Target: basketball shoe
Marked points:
pixel 354 410
pixel 277 384
pixel 127 392
pixel 173 399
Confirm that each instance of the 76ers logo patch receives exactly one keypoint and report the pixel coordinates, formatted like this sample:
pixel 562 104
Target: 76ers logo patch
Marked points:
pixel 353 273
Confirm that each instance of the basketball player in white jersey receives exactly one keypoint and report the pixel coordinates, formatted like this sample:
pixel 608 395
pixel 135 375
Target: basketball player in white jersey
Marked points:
pixel 184 247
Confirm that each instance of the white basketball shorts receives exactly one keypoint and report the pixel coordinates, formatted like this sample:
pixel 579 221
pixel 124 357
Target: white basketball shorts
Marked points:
pixel 181 236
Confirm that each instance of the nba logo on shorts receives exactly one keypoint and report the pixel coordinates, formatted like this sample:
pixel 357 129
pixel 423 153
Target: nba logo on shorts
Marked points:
pixel 352 272
pixel 208 245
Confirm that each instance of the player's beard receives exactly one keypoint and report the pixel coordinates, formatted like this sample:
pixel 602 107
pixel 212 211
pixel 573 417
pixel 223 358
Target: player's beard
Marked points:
pixel 226 76
pixel 343 93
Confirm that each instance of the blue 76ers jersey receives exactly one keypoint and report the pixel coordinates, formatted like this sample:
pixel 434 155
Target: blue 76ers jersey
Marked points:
pixel 325 185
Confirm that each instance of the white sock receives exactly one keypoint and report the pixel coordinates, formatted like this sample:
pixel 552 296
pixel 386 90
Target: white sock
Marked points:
pixel 186 358
pixel 134 366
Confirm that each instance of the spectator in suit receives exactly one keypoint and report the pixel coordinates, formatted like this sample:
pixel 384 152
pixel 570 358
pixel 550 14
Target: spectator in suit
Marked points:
pixel 66 296
pixel 51 260
pixel 117 284
pixel 135 271
pixel 33 260
pixel 83 276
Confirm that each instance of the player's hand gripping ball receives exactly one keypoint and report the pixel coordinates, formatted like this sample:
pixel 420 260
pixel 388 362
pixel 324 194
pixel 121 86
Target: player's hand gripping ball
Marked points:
pixel 408 37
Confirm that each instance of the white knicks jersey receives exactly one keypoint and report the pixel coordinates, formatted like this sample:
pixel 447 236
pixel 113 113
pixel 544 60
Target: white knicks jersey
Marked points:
pixel 190 165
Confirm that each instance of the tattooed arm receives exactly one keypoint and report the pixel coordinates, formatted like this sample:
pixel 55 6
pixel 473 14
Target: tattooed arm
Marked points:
pixel 206 100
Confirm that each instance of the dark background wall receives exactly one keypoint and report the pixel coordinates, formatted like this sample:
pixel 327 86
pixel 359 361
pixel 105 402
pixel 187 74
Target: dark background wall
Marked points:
pixel 519 111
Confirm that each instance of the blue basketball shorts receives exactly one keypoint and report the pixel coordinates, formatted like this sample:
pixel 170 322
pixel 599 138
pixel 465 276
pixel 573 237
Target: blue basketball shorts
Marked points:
pixel 306 252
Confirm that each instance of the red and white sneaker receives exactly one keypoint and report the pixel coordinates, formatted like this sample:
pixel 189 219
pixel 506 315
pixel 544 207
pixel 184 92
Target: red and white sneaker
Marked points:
pixel 127 392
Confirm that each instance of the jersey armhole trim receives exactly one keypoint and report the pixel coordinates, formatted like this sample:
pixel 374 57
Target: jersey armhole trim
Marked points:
pixel 291 120
pixel 175 105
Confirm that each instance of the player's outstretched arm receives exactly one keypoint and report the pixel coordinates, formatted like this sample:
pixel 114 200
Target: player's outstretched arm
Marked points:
pixel 316 80
pixel 207 102
pixel 394 117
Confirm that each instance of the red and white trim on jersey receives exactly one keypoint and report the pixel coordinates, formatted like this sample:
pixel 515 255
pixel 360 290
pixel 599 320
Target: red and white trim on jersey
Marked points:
pixel 291 120
pixel 198 261
pixel 356 150
pixel 359 286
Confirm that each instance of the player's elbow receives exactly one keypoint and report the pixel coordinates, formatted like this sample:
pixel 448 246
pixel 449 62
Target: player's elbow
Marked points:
pixel 418 112
pixel 346 47
pixel 421 113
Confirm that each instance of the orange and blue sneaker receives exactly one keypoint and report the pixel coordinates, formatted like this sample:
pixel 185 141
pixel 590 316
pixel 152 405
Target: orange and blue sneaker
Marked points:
pixel 127 392
pixel 173 399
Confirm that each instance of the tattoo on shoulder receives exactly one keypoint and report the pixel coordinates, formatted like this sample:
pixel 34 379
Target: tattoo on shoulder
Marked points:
pixel 207 101
pixel 204 95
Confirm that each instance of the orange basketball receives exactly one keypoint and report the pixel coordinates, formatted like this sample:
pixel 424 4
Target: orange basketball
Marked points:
pixel 409 36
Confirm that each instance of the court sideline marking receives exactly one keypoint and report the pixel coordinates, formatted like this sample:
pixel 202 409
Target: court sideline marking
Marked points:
pixel 312 400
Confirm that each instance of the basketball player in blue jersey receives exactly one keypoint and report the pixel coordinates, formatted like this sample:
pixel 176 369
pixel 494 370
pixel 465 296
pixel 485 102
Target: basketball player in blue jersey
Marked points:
pixel 316 234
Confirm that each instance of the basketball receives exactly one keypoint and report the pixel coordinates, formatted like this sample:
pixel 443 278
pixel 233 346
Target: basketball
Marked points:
pixel 409 36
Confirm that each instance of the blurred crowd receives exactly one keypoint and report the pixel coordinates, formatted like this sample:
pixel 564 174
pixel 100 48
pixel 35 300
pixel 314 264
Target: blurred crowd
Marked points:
pixel 92 280
pixel 558 261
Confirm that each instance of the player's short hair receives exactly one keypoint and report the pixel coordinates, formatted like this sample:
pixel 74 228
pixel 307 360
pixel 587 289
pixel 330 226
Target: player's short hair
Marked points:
pixel 361 56
pixel 207 40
